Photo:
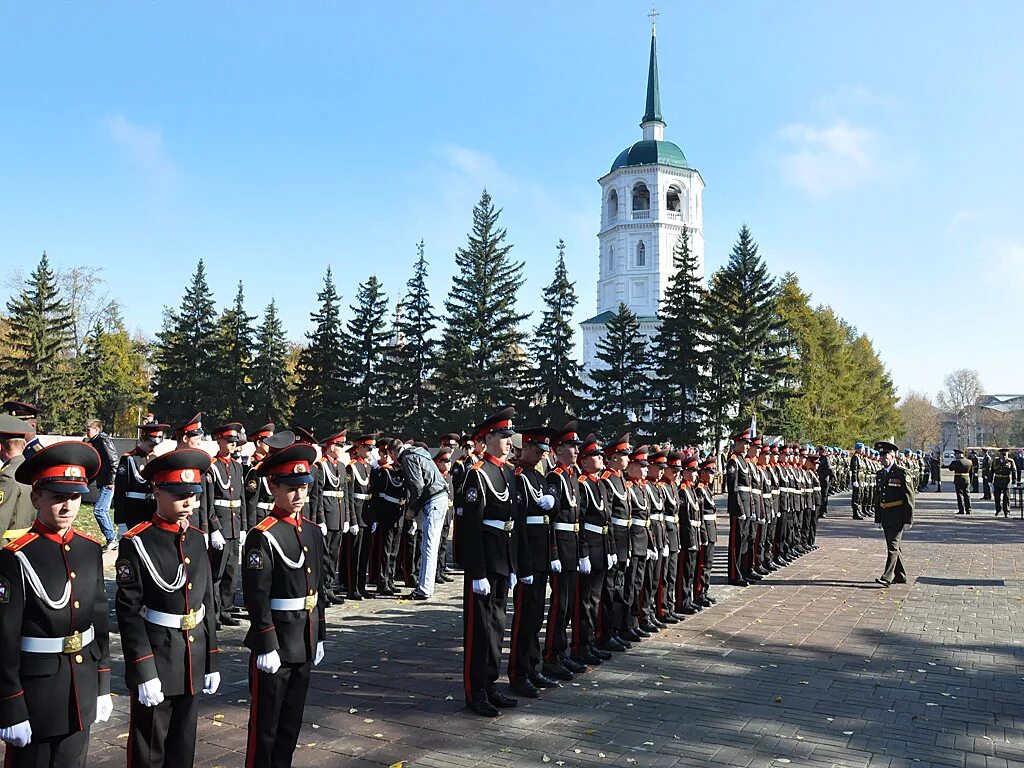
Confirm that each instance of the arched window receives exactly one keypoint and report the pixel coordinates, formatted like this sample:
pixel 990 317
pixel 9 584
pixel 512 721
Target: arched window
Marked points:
pixel 613 205
pixel 677 202
pixel 611 258
pixel 641 254
pixel 641 197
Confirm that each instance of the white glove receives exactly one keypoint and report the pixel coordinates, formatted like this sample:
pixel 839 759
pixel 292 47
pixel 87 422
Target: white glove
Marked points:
pixel 354 529
pixel 585 564
pixel 556 566
pixel 373 528
pixel 482 587
pixel 323 528
pixel 17 735
pixel 268 662
pixel 527 580
pixel 206 540
pixel 412 528
pixel 664 551
pixel 345 527
pixel 546 502
pixel 856 484
pixel 217 540
pixel 151 692
pixel 512 581
pixel 320 652
pixel 611 562
pixel 211 682
pixel 652 555
pixel 743 517
pixel 241 539
pixel 104 708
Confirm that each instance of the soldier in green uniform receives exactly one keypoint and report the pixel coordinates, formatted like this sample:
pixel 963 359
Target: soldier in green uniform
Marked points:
pixel 1004 471
pixel 961 469
pixel 16 510
pixel 894 511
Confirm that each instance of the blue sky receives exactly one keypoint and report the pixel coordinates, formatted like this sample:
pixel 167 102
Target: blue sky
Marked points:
pixel 873 148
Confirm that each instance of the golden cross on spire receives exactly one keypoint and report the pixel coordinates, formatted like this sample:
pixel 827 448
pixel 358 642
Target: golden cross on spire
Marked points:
pixel 654 15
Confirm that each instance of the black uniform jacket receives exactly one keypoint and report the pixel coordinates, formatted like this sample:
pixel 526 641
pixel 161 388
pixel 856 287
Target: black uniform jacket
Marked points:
pixel 490 497
pixel 327 495
pixel 164 568
pixel 55 692
pixel 640 537
pixel 282 560
pixel 133 497
pixel 359 474
pixel 618 498
pixel 596 542
pixel 224 497
pixel 708 512
pixel 536 541
pixel 737 481
pixel 561 483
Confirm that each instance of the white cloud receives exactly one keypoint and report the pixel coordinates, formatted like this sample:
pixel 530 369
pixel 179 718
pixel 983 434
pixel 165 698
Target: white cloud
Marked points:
pixel 822 160
pixel 144 148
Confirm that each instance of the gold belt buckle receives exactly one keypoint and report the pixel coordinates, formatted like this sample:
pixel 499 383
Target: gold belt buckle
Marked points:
pixel 604 530
pixel 509 525
pixel 576 527
pixel 547 520
pixel 73 643
pixel 310 603
pixel 189 621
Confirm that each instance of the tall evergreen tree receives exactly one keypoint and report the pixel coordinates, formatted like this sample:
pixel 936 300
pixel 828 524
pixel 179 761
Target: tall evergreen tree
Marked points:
pixel 557 383
pixel 272 374
pixel 39 338
pixel 321 366
pixel 185 380
pixel 412 358
pixel 113 375
pixel 620 392
pixel 680 350
pixel 233 359
pixel 366 339
pixel 482 362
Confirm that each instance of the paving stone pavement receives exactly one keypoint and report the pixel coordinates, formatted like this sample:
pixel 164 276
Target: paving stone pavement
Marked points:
pixel 815 666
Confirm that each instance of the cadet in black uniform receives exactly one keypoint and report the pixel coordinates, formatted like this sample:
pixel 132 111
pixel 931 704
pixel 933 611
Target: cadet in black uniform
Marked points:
pixel 489 552
pixel 223 495
pixel 674 535
pixel 165 611
pixel 596 548
pixel 706 553
pixel 133 496
pixel 690 522
pixel 737 479
pixel 55 676
pixel 641 546
pixel 258 500
pixel 387 509
pixel 283 588
pixel 655 575
pixel 614 620
pixel 358 544
pixel 330 508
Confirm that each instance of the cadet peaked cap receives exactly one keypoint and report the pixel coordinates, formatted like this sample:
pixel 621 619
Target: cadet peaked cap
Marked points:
pixel 190 427
pixel 690 464
pixel 367 438
pixel 542 437
pixel 639 456
pixel 741 437
pixel 304 436
pixel 569 434
pixel 180 471
pixel 591 446
pixel 279 440
pixel 64 467
pixel 20 410
pixel 150 430
pixel 884 446
pixel 230 431
pixel 337 437
pixel 262 433
pixel 12 426
pixel 709 464
pixel 659 459
pixel 499 422
pixel 444 453
pixel 619 446
pixel 675 460
pixel 290 465
pixel 451 440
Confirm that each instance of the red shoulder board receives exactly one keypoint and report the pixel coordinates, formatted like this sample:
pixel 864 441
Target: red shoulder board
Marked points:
pixel 629 483
pixel 559 471
pixel 21 541
pixel 606 474
pixel 266 523
pixel 87 537
pixel 138 529
pixel 519 471
pixel 477 465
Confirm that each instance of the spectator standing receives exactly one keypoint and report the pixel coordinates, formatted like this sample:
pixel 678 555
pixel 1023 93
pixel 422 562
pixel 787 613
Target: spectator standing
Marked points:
pixel 98 439
pixel 428 498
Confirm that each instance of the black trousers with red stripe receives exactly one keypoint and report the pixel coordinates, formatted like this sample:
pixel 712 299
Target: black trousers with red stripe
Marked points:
pixel 702 580
pixel 667 600
pixel 527 619
pixel 687 577
pixel 163 736
pixel 563 596
pixel 655 572
pixel 68 751
pixel 588 604
pixel 359 559
pixel 613 616
pixel 275 714
pixel 634 590
pixel 739 544
pixel 483 626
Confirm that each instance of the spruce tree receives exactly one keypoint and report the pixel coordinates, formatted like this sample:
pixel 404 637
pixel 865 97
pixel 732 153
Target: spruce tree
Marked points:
pixel 233 359
pixel 321 366
pixel 556 375
pixel 680 351
pixel 620 392
pixel 113 375
pixel 272 375
pixel 366 339
pixel 40 335
pixel 482 362
pixel 185 356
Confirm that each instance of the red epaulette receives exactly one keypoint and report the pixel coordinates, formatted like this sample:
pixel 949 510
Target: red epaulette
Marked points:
pixel 87 536
pixel 21 541
pixel 606 474
pixel 477 465
pixel 559 470
pixel 519 471
pixel 629 483
pixel 266 523
pixel 137 529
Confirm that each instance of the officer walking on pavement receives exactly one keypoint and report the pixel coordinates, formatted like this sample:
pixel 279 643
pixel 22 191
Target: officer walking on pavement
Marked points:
pixel 894 511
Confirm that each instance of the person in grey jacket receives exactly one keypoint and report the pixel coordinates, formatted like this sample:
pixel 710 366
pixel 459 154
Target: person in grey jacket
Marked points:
pixel 428 498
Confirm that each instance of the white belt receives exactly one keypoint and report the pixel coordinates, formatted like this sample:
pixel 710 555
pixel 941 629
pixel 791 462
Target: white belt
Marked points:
pixel 710 517
pixel 620 522
pixel 392 499
pixel 190 620
pixel 235 504
pixel 568 527
pixel 755 491
pixel 660 517
pixel 334 494
pixel 775 491
pixel 641 523
pixel 537 520
pixel 307 603
pixel 361 496
pixel 501 525
pixel 595 528
pixel 137 495
pixel 265 504
pixel 695 523
pixel 70 644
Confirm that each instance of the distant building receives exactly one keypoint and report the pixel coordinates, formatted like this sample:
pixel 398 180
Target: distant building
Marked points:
pixel 994 425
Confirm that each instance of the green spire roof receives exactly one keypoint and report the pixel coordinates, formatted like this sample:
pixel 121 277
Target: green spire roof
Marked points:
pixel 653 113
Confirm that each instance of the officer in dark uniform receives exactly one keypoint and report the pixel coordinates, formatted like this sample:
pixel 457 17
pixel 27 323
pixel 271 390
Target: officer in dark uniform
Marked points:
pixel 596 549
pixel 133 495
pixel 189 434
pixel 614 621
pixel 224 499
pixel 986 475
pixel 55 676
pixel 894 510
pixel 738 487
pixel 706 553
pixel 258 499
pixel 283 586
pixel 536 550
pixel 855 480
pixel 1004 472
pixel 29 416
pixel 565 526
pixel 330 507
pixel 16 510
pixel 166 614
pixel 489 550
pixel 975 463
pixel 358 544
pixel 961 469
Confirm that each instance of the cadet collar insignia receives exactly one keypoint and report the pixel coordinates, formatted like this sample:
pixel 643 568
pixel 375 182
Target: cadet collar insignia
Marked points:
pixel 123 572
pixel 254 562
pixel 5 590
